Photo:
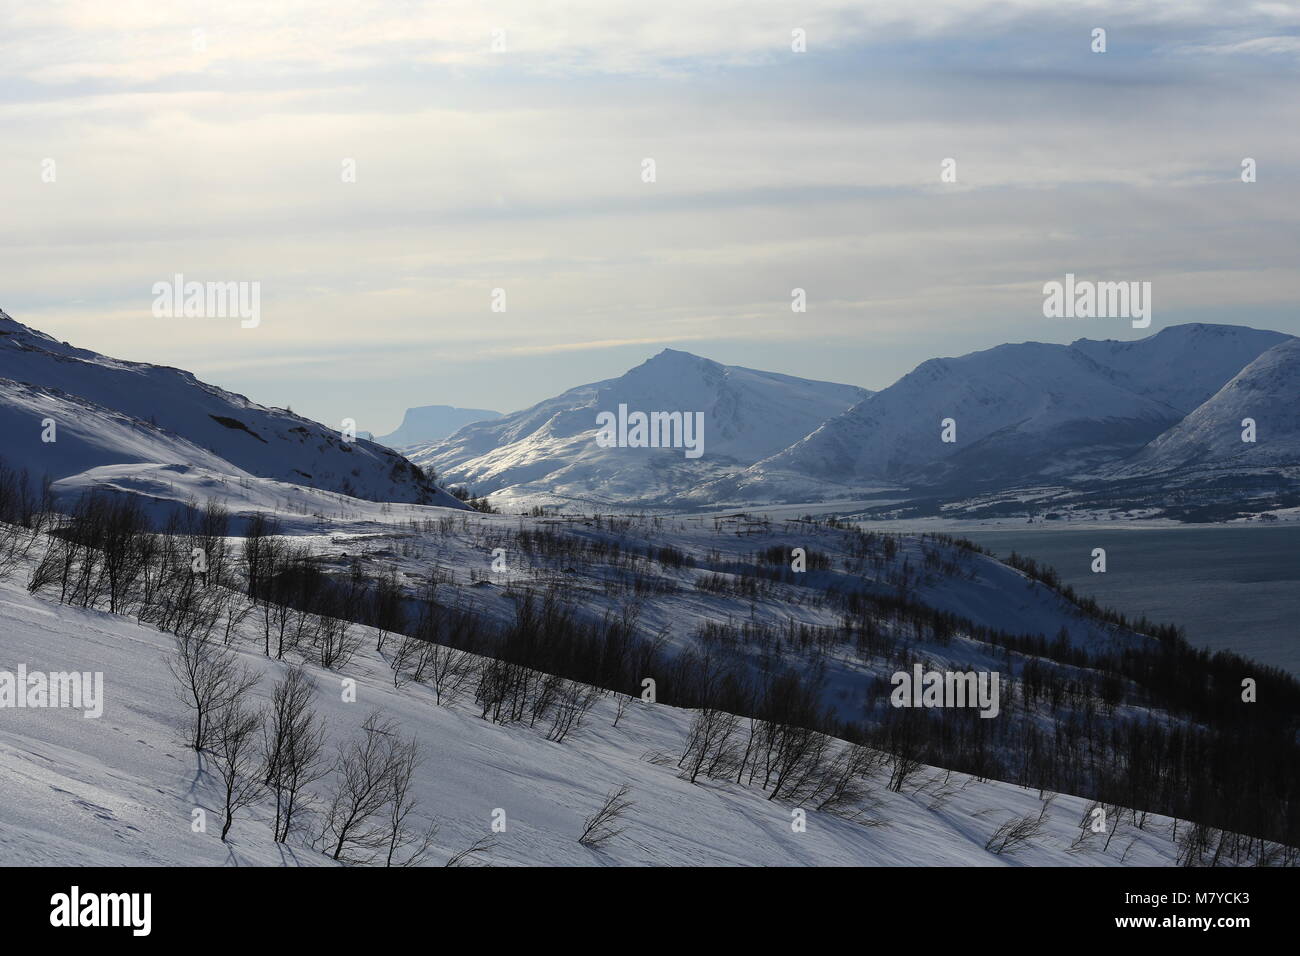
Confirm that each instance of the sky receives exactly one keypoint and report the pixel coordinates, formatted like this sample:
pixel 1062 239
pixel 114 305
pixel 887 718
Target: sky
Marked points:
pixel 380 168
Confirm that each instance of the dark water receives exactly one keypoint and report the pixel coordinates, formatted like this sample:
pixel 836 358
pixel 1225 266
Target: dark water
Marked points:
pixel 1229 588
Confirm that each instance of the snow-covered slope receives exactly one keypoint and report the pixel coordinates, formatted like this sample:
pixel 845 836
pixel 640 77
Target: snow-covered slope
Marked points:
pixel 977 587
pixel 1015 407
pixel 121 790
pixel 250 438
pixel 1021 412
pixel 1266 391
pixel 51 432
pixel 430 423
pixel 166 489
pixel 551 448
pixel 1182 365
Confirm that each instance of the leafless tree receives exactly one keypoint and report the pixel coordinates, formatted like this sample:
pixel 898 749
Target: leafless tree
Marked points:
pixel 572 702
pixel 385 608
pixel 449 670
pixel 235 756
pixel 16 542
pixel 408 841
pixel 362 774
pixel 621 702
pixel 259 551
pixel 23 517
pixel 210 678
pixel 545 697
pixel 902 767
pixel 237 609
pixel 405 654
pixel 466 856
pixel 797 762
pixel 336 642
pixel 842 786
pixel 1014 833
pixel 603 825
pixel 708 740
pixel 293 736
pixel 265 561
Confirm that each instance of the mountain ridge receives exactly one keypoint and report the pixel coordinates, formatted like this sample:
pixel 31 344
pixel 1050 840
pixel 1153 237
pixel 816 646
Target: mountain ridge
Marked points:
pixel 1022 411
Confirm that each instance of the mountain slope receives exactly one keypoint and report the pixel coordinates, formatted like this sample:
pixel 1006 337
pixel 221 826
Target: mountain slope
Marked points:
pixel 225 427
pixel 430 423
pixel 1267 391
pixel 1022 412
pixel 1014 406
pixel 121 790
pixel 551 447
pixel 85 435
pixel 1182 365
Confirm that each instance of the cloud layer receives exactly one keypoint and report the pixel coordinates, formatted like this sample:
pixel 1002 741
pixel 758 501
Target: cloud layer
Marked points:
pixel 217 140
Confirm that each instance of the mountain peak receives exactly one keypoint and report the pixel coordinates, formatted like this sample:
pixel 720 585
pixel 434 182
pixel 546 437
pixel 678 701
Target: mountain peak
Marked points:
pixel 677 358
pixel 550 448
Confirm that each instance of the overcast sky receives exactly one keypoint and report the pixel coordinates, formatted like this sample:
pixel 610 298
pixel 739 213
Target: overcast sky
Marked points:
pixel 209 139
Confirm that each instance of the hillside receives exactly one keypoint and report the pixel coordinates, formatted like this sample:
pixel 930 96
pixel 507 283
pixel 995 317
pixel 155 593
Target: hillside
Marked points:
pixel 504 645
pixel 158 411
pixel 1266 391
pixel 121 790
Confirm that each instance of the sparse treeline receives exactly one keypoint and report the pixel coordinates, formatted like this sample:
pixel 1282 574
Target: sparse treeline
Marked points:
pixel 1208 757
pixel 1100 740
pixel 478 504
pixel 25 511
pixel 1047 575
pixel 1157 728
pixel 546 668
pixel 356 805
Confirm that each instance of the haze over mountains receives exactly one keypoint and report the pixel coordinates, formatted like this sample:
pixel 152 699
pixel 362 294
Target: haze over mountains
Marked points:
pixel 430 423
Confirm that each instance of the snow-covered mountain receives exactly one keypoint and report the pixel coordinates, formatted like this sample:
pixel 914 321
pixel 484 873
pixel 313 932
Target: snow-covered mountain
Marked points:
pixel 1182 365
pixel 1020 412
pixel 430 423
pixel 1267 391
pixel 108 412
pixel 551 448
